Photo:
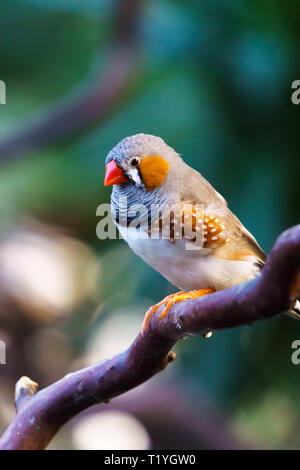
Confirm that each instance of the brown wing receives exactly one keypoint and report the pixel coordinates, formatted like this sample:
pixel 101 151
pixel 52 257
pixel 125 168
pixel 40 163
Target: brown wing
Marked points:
pixel 243 245
pixel 214 228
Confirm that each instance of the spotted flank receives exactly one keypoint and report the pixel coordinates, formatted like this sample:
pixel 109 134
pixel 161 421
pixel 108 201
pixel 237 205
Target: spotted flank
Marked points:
pixel 192 223
pixel 213 231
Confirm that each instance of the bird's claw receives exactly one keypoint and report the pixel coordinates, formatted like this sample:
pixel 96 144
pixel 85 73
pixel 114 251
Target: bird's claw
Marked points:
pixel 172 299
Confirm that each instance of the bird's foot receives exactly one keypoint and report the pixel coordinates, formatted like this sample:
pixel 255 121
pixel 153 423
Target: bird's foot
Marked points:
pixel 172 299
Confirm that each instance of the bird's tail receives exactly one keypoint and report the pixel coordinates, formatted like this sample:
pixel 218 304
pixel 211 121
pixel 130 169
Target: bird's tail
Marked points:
pixel 295 312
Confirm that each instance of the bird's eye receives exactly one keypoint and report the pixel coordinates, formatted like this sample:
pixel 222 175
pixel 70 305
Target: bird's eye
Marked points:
pixel 134 161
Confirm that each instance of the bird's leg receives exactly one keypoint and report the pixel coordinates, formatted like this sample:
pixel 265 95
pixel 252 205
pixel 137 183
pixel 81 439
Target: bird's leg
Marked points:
pixel 171 300
pixel 153 309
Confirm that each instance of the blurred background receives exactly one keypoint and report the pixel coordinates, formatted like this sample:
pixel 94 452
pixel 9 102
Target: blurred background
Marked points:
pixel 212 78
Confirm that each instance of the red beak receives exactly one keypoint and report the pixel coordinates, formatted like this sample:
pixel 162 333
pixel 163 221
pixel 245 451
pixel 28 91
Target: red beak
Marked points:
pixel 114 174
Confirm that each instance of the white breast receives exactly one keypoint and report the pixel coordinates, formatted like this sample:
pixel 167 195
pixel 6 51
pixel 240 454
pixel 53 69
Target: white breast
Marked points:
pixel 189 270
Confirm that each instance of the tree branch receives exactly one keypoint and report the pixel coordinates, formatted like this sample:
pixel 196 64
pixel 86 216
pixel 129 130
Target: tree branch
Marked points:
pixel 24 390
pixel 274 291
pixel 75 114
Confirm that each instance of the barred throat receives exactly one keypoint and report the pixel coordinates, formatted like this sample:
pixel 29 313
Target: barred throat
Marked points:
pixel 132 205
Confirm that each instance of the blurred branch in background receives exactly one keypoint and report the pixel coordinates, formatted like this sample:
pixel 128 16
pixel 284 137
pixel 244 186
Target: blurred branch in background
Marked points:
pixel 171 420
pixel 95 102
pixel 263 297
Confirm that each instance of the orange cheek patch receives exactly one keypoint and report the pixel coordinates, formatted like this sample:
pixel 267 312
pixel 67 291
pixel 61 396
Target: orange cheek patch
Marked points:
pixel 154 170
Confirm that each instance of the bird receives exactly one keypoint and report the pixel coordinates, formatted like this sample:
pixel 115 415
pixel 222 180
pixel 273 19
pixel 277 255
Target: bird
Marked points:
pixel 175 220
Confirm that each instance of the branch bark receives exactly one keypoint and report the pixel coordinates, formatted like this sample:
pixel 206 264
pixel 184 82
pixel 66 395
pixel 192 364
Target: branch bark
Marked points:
pixel 274 291
pixel 75 114
pixel 25 388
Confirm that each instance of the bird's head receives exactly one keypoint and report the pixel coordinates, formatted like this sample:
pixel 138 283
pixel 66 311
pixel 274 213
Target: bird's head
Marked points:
pixel 141 162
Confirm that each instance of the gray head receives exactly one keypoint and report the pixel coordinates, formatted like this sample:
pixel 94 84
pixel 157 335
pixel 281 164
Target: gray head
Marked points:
pixel 142 160
pixel 144 169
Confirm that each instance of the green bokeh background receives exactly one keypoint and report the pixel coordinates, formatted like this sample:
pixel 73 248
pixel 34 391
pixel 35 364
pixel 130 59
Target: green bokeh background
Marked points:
pixel 214 81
